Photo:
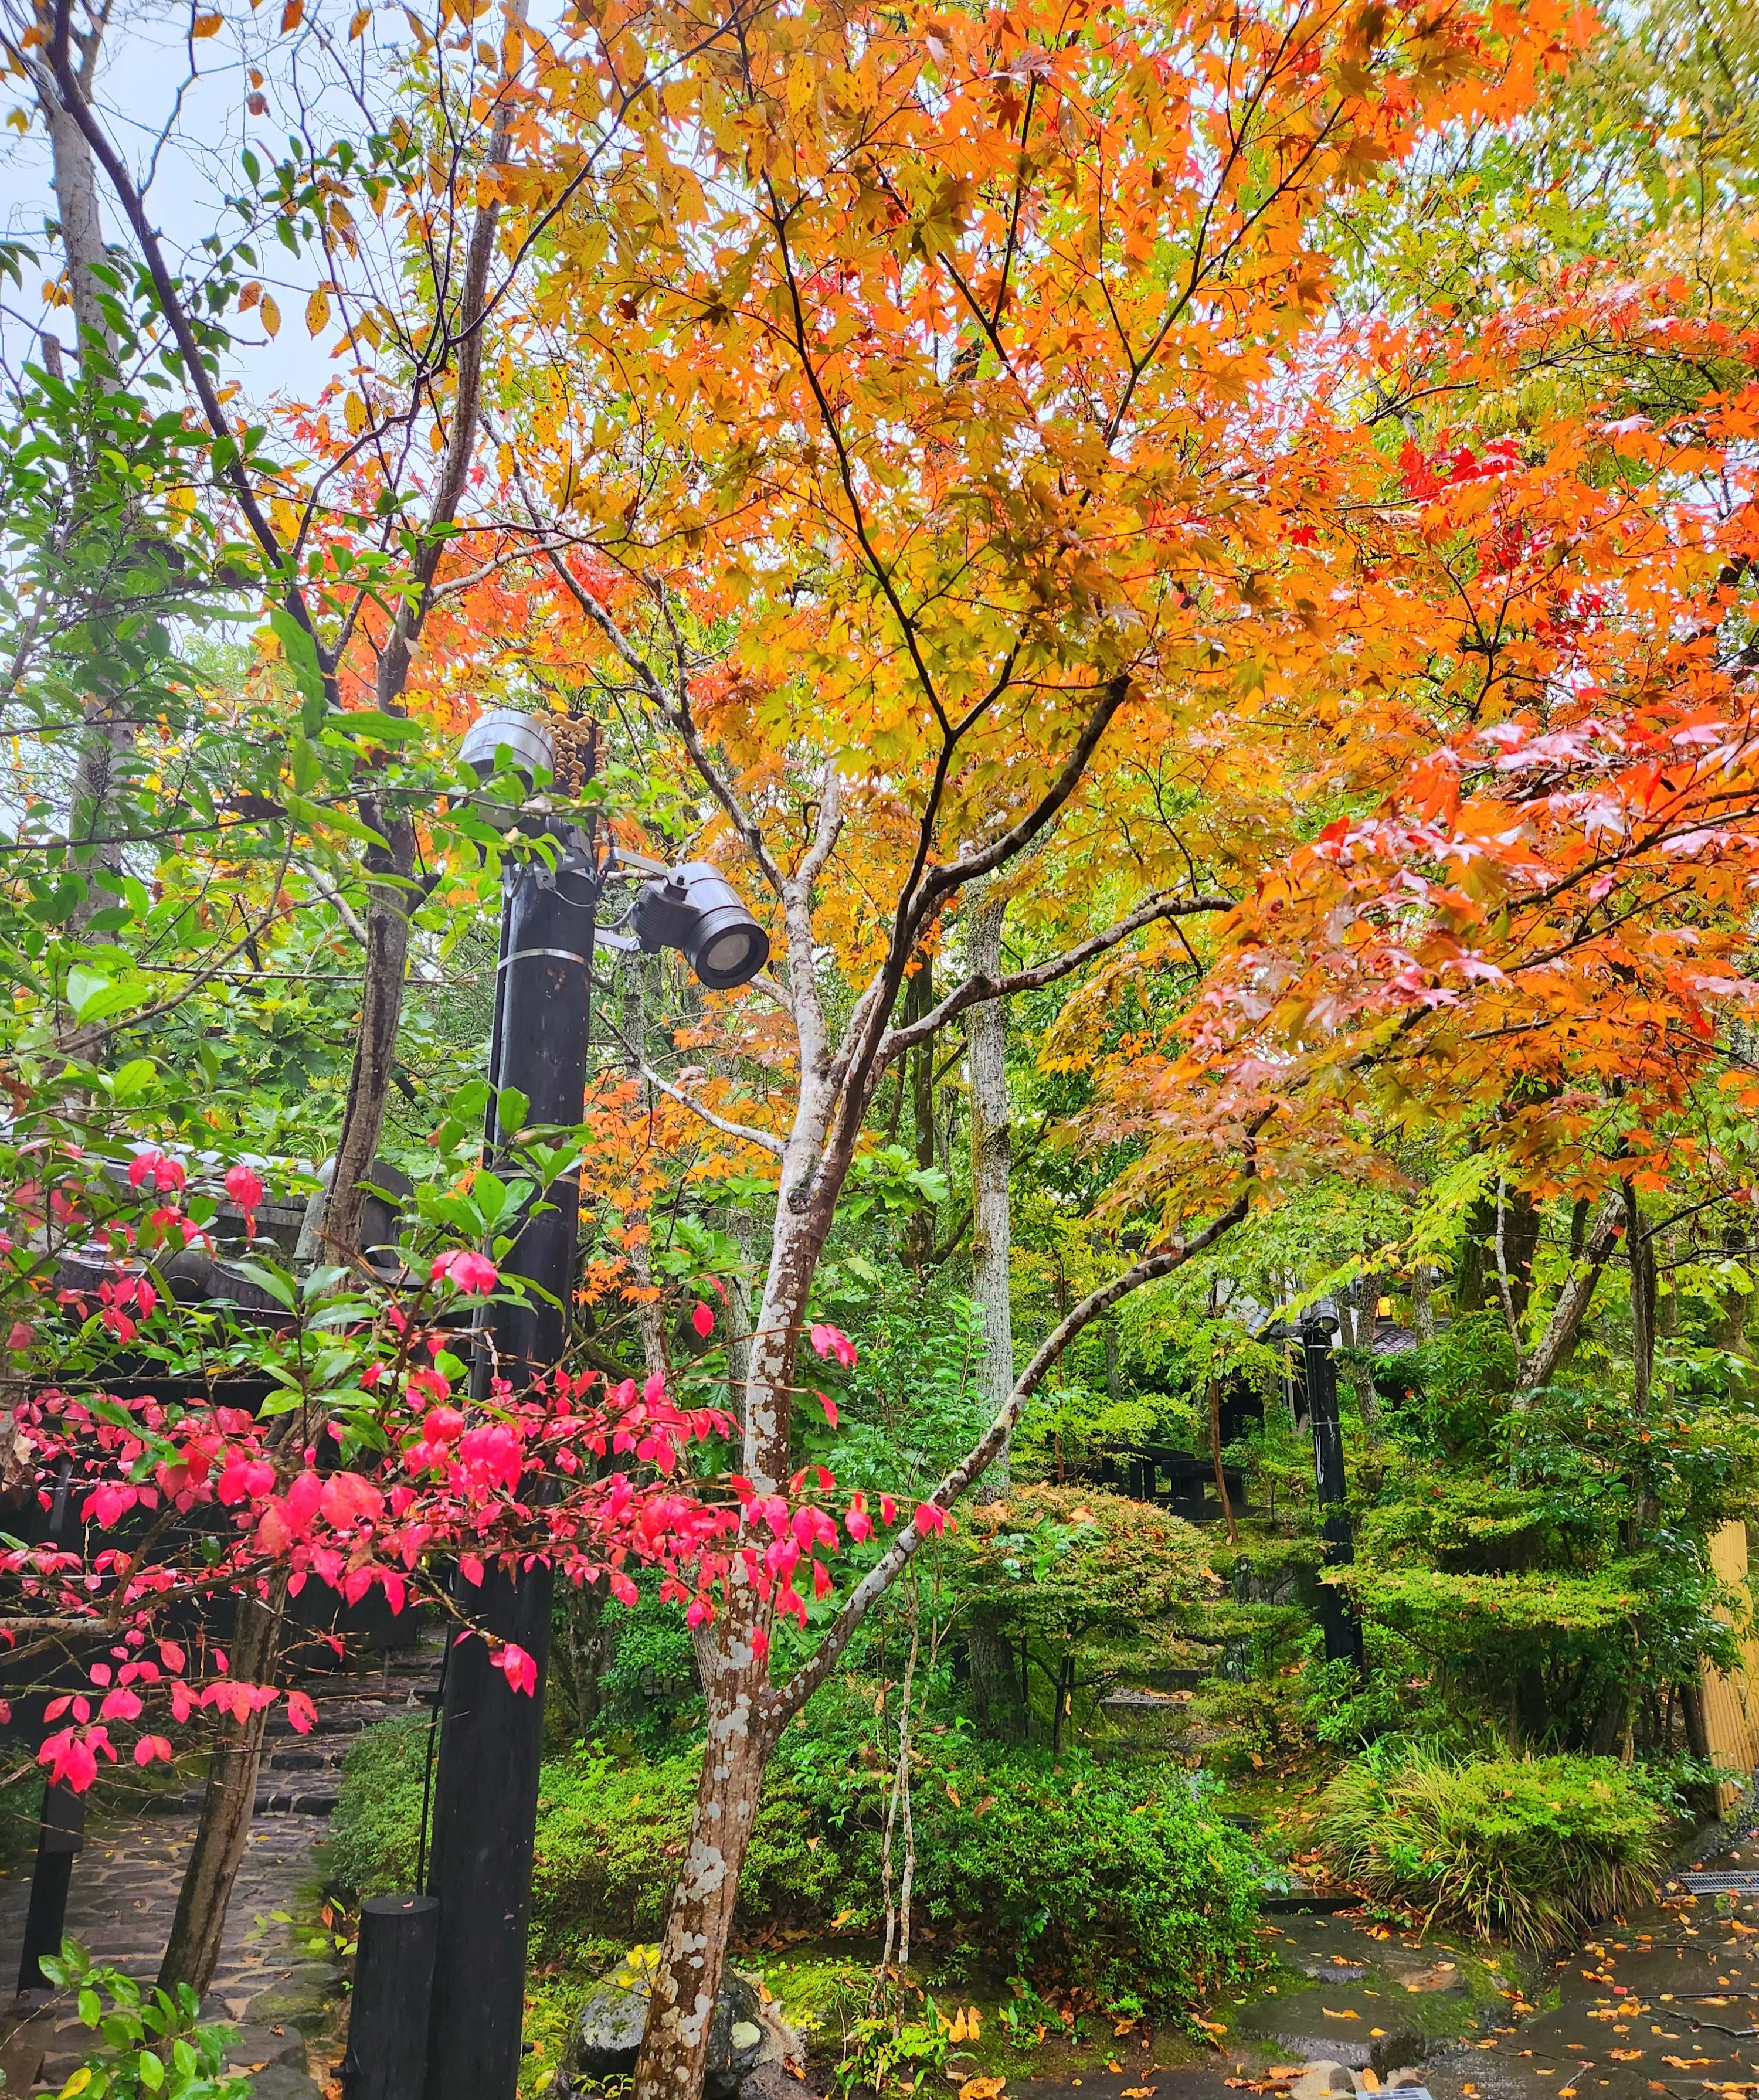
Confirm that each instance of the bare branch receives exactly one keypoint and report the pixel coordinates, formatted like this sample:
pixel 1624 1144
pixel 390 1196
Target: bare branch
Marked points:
pixel 1571 1307
pixel 976 990
pixel 762 1138
pixel 783 1700
pixel 339 904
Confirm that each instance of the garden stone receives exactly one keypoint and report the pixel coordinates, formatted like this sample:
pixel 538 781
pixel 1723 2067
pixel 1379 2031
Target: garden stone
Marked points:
pixel 258 2045
pixel 281 2008
pixel 771 2081
pixel 1319 2080
pixel 607 2030
pixel 280 2081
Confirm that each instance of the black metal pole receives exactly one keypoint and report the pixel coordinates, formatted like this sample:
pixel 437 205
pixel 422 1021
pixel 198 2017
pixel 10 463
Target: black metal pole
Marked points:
pixel 491 1744
pixel 62 1834
pixel 393 1991
pixel 1343 1628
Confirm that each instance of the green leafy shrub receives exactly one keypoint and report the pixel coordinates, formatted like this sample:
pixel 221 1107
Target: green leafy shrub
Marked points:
pixel 375 1833
pixel 609 1840
pixel 155 2049
pixel 1083 1872
pixel 1531 1849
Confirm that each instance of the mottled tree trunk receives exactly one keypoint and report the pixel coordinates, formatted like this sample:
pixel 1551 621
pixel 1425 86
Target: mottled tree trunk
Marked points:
pixel 693 1949
pixel 1422 1305
pixel 193 1952
pixel 995 1689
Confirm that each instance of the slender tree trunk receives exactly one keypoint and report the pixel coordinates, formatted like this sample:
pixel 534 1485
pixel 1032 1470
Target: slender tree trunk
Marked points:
pixel 1422 1306
pixel 589 1643
pixel 1731 1321
pixel 193 1952
pixel 108 737
pixel 1640 1253
pixel 392 892
pixel 919 996
pixel 1215 1454
pixel 1366 1293
pixel 991 1165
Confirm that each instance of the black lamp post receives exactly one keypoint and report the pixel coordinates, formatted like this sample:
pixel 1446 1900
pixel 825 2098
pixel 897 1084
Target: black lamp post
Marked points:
pixel 485 1787
pixel 1338 1617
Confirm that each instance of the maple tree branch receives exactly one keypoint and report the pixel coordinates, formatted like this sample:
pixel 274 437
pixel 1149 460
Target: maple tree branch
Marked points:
pixel 976 990
pixel 678 714
pixel 762 1138
pixel 1571 1307
pixel 339 904
pixel 783 1700
pixel 970 866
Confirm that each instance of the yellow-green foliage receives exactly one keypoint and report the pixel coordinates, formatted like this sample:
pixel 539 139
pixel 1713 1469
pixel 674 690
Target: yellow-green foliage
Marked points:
pixel 1528 1849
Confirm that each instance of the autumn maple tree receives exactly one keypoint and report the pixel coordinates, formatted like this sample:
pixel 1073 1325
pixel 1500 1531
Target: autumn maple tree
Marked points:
pixel 949 457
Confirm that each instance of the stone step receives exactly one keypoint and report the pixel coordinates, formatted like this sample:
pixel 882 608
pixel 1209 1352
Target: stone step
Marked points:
pixel 296 1804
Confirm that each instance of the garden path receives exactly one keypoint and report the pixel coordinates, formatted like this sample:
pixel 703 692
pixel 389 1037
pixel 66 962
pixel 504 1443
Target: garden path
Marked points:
pixel 125 1890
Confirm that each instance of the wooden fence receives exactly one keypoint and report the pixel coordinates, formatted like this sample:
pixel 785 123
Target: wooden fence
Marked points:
pixel 1731 1703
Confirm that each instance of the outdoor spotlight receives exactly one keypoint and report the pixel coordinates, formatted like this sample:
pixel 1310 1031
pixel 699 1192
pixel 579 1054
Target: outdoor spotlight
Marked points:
pixel 695 909
pixel 525 741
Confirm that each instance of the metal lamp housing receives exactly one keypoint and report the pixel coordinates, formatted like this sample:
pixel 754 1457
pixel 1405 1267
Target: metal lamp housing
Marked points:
pixel 529 752
pixel 697 910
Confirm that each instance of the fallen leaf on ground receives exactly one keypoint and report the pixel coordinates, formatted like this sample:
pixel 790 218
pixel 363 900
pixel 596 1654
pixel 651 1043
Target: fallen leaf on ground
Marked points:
pixel 1688 2063
pixel 982 2088
pixel 1624 2055
pixel 1145 2092
pixel 1346 2015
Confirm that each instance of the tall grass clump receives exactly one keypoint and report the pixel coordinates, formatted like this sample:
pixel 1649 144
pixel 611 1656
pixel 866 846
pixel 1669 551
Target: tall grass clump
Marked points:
pixel 1527 1850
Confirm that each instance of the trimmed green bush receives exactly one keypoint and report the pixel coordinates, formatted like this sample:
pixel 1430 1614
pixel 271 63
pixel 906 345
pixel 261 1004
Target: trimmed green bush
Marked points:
pixel 1084 1872
pixel 374 1835
pixel 1529 1849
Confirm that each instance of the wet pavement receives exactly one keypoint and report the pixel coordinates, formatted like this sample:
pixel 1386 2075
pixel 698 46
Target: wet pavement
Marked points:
pixel 1664 2001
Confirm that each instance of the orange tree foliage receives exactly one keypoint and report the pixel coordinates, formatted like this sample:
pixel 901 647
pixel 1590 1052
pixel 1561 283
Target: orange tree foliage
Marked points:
pixel 974 456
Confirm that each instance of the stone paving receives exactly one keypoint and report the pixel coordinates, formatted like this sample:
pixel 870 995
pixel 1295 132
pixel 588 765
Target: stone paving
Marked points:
pixel 123 1894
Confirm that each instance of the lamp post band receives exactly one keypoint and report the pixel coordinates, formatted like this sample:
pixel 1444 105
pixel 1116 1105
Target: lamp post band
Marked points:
pixel 532 954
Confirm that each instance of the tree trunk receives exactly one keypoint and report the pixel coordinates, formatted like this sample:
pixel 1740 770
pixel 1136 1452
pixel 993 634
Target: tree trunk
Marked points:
pixel 693 1950
pixel 1639 1252
pixel 1215 1454
pixel 193 1952
pixel 1731 1320
pixel 918 1247
pixel 996 1704
pixel 1422 1307
pixel 588 1644
pixel 392 896
pixel 390 873
pixel 991 1162
pixel 1365 1291
pixel 108 735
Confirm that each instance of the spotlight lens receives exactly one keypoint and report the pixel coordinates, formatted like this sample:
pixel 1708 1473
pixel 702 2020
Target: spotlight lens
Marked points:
pixel 727 953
